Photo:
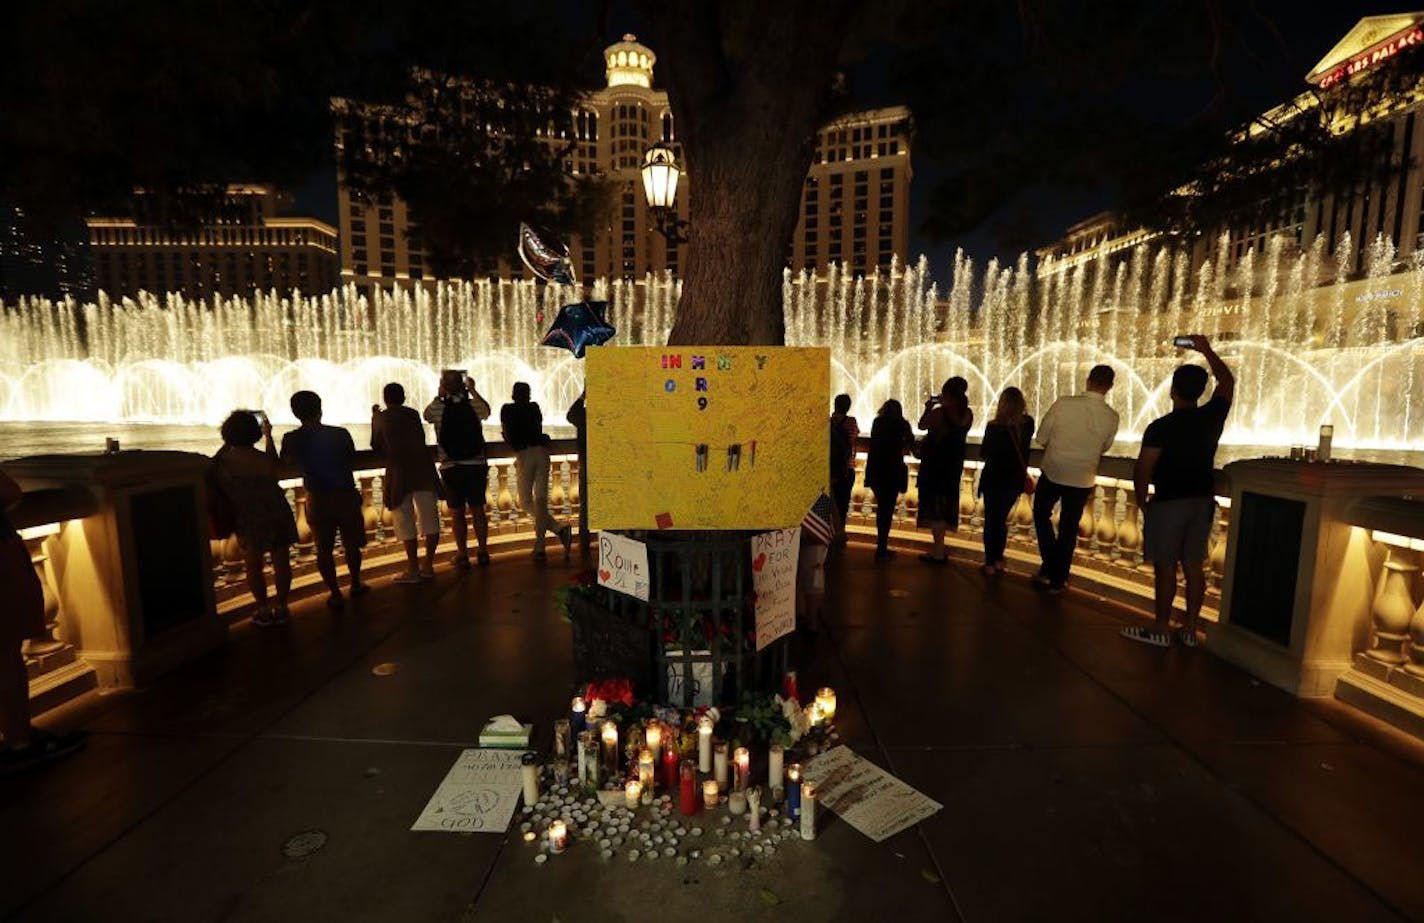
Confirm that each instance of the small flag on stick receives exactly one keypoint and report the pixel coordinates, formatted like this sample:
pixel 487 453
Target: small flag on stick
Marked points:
pixel 820 519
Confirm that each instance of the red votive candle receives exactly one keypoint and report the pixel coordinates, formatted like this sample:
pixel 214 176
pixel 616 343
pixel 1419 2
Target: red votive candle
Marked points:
pixel 670 779
pixel 687 791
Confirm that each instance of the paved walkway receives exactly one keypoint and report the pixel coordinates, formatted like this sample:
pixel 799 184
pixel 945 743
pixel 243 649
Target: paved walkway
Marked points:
pixel 1083 777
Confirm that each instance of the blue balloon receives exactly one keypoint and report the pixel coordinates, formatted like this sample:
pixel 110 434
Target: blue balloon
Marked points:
pixel 578 326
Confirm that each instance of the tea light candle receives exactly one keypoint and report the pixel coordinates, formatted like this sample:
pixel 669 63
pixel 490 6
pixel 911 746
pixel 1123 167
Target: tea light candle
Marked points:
pixel 610 747
pixel 774 762
pixel 530 836
pixel 826 703
pixel 704 744
pixel 558 837
pixel 744 768
pixel 737 802
pixel 632 794
pixel 529 772
pixel 645 768
pixel 710 794
pixel 687 788
pixel 808 811
pixel 578 715
pixel 793 791
pixel 655 739
pixel 719 762
pixel 563 735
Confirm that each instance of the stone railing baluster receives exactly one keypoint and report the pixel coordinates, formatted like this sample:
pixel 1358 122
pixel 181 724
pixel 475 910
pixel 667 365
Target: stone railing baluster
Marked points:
pixel 1129 534
pixel 1106 531
pixel 1393 610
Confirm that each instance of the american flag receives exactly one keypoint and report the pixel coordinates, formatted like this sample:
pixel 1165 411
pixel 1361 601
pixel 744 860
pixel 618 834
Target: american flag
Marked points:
pixel 819 519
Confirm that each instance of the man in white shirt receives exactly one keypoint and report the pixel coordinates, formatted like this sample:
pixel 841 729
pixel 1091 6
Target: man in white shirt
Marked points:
pixel 1074 433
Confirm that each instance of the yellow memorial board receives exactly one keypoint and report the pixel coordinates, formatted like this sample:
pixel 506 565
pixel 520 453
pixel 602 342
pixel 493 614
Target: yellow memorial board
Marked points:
pixel 710 437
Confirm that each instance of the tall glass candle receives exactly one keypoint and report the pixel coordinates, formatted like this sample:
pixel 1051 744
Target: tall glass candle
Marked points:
pixel 563 734
pixel 529 773
pixel 775 774
pixel 704 744
pixel 632 794
pixel 793 791
pixel 710 795
pixel 645 768
pixel 578 715
pixel 670 761
pixel 744 768
pixel 826 703
pixel 655 739
pixel 687 788
pixel 719 763
pixel 610 748
pixel 808 811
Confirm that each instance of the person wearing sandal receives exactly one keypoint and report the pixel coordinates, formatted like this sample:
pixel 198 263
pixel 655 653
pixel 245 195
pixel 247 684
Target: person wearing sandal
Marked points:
pixel 1177 462
pixel 21 746
pixel 410 483
pixel 1004 452
pixel 257 510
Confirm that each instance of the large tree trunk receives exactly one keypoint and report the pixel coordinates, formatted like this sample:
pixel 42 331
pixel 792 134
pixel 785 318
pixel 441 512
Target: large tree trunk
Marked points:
pixel 747 124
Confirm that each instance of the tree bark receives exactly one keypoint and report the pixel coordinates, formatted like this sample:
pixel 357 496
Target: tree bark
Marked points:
pixel 747 124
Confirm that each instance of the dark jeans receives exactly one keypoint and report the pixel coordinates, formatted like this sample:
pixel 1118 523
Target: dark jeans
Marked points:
pixel 884 515
pixel 840 492
pixel 1057 550
pixel 997 506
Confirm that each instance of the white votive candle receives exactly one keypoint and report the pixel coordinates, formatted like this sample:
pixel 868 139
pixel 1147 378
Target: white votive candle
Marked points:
pixel 774 763
pixel 808 811
pixel 719 762
pixel 704 744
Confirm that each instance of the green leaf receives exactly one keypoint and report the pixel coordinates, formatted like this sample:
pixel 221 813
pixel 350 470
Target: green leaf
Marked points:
pixel 769 897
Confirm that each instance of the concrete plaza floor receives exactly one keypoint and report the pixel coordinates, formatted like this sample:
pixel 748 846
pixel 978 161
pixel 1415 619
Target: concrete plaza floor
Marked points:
pixel 1083 777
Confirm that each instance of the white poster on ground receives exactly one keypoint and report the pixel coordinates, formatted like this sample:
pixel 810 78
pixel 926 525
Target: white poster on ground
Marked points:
pixel 623 565
pixel 866 796
pixel 774 583
pixel 477 795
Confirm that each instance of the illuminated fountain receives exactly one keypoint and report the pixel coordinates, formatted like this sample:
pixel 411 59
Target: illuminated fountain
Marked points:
pixel 1350 354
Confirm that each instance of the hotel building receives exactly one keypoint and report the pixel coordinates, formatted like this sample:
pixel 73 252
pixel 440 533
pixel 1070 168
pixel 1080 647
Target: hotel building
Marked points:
pixel 1393 209
pixel 245 244
pixel 854 207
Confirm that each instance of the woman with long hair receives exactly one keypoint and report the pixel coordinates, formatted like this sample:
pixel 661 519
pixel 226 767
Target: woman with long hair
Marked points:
pixel 1004 452
pixel 885 471
pixel 946 421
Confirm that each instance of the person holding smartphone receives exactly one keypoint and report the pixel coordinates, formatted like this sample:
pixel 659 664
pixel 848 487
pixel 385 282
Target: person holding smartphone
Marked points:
pixel 1175 481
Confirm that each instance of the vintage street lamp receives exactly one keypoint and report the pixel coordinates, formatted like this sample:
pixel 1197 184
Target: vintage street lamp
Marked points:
pixel 660 176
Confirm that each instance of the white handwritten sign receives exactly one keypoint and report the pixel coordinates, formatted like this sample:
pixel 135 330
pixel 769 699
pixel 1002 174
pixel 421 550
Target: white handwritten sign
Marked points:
pixel 774 582
pixel 697 674
pixel 477 795
pixel 623 565
pixel 866 796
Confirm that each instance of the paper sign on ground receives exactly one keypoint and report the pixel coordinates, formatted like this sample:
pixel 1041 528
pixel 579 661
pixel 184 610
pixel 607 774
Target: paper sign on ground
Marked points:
pixel 774 582
pixel 706 437
pixel 623 564
pixel 866 796
pixel 477 795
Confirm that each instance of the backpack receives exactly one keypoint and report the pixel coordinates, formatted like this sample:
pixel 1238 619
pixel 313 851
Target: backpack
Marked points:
pixel 461 436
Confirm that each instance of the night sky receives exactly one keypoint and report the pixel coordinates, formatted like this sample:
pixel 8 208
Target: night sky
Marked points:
pixel 1263 73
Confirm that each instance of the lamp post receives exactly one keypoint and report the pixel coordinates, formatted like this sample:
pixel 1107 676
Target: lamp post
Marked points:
pixel 660 176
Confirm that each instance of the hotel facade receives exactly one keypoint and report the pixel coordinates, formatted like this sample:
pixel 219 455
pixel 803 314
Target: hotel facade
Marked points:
pixel 854 204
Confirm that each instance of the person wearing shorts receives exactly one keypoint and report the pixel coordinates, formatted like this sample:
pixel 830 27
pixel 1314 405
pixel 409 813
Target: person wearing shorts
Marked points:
pixel 410 482
pixel 326 455
pixel 1177 461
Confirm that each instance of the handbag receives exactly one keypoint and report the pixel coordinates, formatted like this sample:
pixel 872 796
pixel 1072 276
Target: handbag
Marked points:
pixel 1029 485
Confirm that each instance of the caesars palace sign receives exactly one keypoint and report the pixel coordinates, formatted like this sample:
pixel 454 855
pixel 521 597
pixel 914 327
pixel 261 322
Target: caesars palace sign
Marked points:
pixel 1372 56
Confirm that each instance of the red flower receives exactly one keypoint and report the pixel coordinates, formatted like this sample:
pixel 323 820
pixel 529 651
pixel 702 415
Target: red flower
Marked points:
pixel 611 690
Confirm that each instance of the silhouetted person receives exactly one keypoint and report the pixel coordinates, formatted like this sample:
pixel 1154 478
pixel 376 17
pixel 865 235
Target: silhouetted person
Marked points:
pixel 1004 452
pixel 1177 460
pixel 1075 433
pixel 409 487
pixel 578 418
pixel 464 467
pixel 844 432
pixel 522 423
pixel 325 455
pixel 885 471
pixel 260 517
pixel 946 421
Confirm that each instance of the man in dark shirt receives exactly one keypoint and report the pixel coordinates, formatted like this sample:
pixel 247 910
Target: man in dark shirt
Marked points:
pixel 522 423
pixel 326 455
pixel 1176 459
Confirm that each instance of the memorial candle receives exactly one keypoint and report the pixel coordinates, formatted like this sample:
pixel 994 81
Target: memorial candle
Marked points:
pixel 719 762
pixel 655 739
pixel 826 703
pixel 670 761
pixel 610 748
pixel 710 795
pixel 578 715
pixel 687 788
pixel 563 734
pixel 529 773
pixel 775 775
pixel 754 809
pixel 744 768
pixel 583 744
pixel 808 811
pixel 793 791
pixel 704 744
pixel 645 768
pixel 632 794
pixel 558 837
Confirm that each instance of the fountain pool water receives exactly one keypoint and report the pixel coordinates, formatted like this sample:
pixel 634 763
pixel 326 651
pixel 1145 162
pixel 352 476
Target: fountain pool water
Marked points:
pixel 1349 353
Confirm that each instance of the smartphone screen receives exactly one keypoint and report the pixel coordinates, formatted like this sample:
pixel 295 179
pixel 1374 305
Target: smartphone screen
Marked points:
pixel 1182 341
pixel 261 416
